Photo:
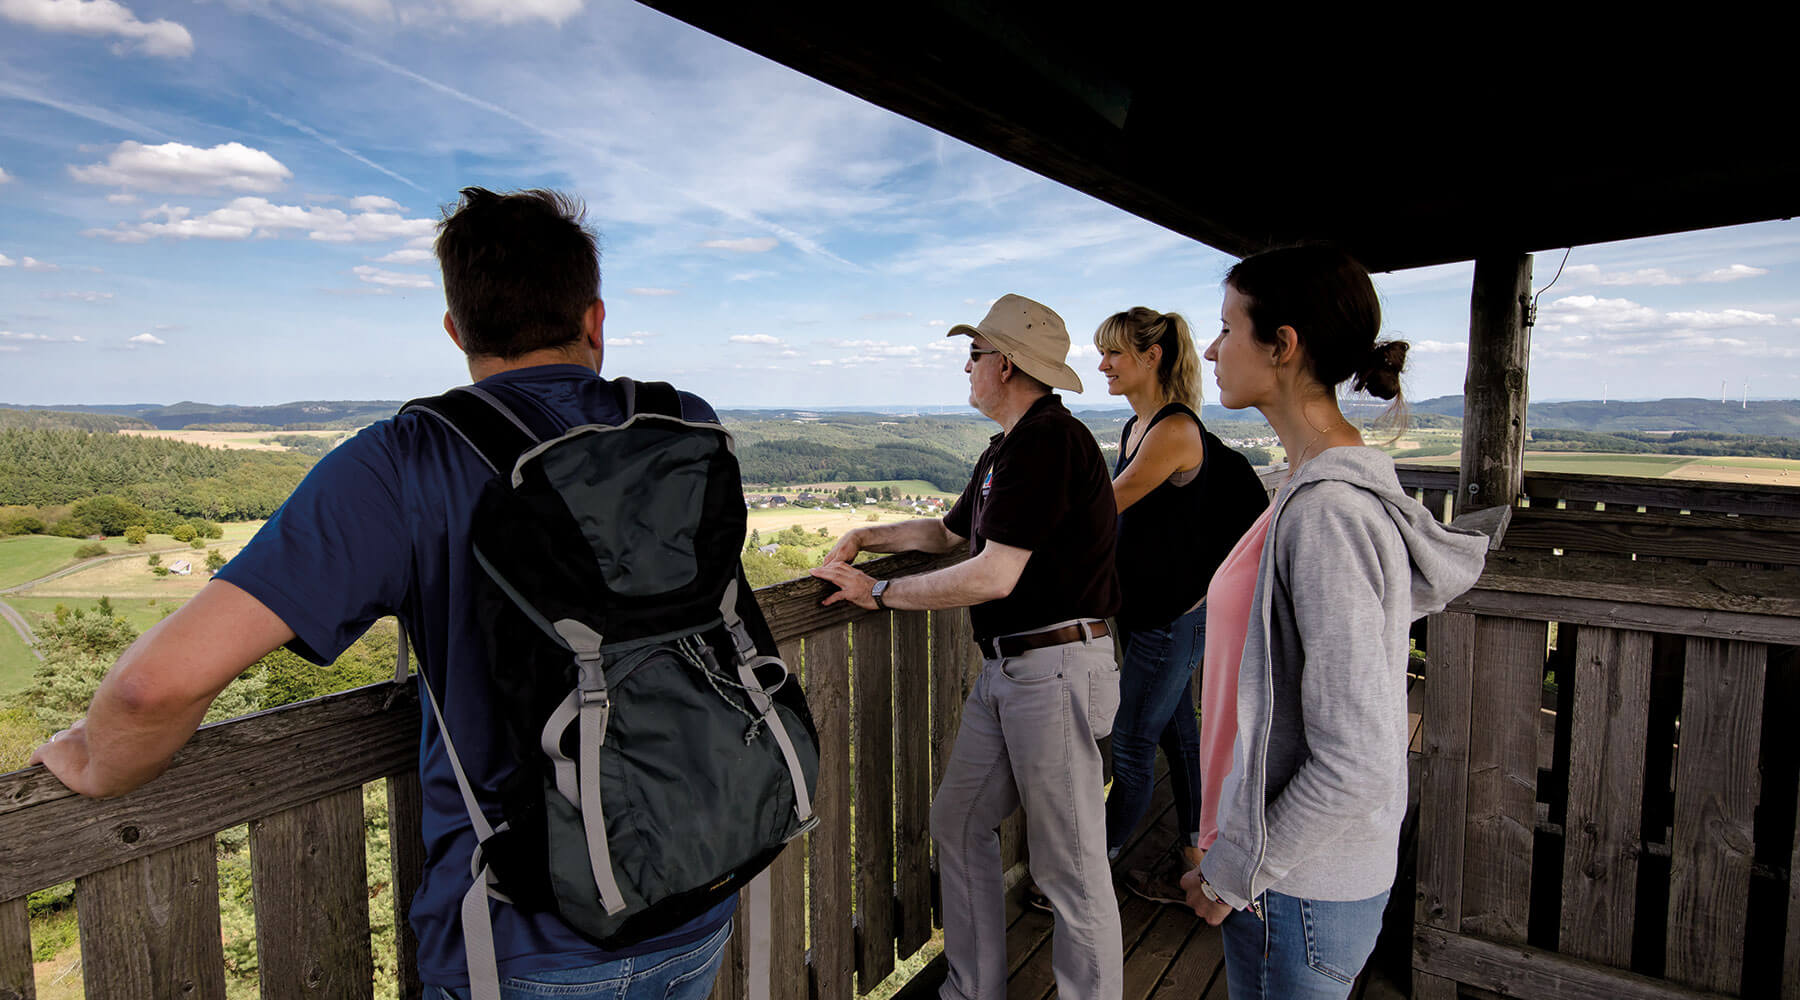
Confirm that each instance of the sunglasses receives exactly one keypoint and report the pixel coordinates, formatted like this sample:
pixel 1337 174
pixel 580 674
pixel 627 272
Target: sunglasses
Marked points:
pixel 975 354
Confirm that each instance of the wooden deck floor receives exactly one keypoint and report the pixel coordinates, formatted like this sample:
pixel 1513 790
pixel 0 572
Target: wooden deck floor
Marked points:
pixel 1170 954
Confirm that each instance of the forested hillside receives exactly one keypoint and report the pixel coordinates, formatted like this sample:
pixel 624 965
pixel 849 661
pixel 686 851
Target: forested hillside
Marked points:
pixel 104 423
pixel 1777 417
pixel 301 415
pixel 44 468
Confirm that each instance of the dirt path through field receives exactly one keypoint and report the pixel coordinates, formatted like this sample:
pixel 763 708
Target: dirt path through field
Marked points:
pixel 85 563
pixel 17 621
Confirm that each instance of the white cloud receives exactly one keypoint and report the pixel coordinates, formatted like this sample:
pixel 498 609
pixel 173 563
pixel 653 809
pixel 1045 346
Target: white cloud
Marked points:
pixel 390 279
pixel 822 363
pixel 935 322
pixel 247 217
pixel 1734 273
pixel 33 264
pixel 754 338
pixel 375 203
pixel 513 11
pixel 5 261
pixel 1080 349
pixel 1441 346
pixel 177 167
pixel 624 342
pixel 650 291
pixel 1724 319
pixel 80 296
pixel 1657 276
pixel 121 198
pixel 947 346
pixel 4 176
pixel 162 38
pixel 406 257
pixel 36 338
pixel 749 244
pixel 749 275
pixel 148 338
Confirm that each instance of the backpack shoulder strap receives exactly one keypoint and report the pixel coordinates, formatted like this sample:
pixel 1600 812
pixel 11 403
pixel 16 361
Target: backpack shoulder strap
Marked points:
pixel 482 421
pixel 650 397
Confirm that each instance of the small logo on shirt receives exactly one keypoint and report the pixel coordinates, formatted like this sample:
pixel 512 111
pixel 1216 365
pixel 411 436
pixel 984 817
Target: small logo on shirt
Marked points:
pixel 987 483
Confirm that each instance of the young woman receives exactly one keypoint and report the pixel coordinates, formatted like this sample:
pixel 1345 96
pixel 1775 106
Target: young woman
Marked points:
pixel 1304 745
pixel 1183 499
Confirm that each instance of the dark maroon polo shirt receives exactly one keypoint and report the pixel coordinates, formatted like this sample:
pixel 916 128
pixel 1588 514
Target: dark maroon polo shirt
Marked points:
pixel 1043 487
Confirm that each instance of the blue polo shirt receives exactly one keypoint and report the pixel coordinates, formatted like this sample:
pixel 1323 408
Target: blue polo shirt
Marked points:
pixel 380 527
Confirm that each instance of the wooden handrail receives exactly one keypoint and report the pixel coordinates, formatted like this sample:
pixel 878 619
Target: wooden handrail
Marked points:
pixel 295 773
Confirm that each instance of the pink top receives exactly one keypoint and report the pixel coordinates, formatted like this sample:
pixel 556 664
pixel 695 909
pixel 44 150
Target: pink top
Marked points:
pixel 1228 600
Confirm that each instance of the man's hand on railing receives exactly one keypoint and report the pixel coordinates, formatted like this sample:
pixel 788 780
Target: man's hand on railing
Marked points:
pixel 845 550
pixel 853 584
pixel 66 755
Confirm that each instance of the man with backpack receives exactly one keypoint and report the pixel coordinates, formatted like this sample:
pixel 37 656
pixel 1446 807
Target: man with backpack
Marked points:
pixel 382 526
pixel 1038 520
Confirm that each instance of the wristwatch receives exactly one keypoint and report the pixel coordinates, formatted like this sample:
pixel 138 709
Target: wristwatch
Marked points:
pixel 876 591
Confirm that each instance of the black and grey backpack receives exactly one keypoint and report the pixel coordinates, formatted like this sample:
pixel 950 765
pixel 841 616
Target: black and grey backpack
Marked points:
pixel 664 754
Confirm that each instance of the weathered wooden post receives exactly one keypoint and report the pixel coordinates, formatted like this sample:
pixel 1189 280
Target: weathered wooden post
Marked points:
pixel 1495 390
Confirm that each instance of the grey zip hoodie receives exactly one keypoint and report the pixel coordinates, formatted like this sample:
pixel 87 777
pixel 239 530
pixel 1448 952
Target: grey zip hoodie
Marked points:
pixel 1317 788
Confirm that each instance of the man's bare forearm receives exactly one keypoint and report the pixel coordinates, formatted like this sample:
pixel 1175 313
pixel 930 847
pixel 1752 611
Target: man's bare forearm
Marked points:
pixel 922 534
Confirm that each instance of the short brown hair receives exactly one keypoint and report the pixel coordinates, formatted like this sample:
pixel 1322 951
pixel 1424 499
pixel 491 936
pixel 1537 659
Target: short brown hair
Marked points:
pixel 520 270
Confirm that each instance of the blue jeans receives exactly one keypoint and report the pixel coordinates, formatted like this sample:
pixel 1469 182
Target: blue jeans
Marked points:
pixel 685 972
pixel 1311 949
pixel 1156 706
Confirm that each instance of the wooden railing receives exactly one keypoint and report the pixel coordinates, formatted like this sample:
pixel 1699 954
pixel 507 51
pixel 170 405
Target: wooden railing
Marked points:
pixel 850 900
pixel 1633 835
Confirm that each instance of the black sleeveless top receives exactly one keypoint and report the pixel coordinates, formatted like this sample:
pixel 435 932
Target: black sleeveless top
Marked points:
pixel 1171 540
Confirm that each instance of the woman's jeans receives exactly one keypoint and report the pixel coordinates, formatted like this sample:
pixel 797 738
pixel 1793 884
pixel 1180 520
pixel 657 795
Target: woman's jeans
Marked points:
pixel 1156 706
pixel 1310 949
pixel 685 972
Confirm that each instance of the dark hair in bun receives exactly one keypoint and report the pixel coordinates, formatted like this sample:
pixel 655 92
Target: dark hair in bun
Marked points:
pixel 1326 296
pixel 1380 374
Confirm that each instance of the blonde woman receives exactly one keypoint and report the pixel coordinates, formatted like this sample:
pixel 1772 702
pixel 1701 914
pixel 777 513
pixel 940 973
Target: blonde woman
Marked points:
pixel 1183 499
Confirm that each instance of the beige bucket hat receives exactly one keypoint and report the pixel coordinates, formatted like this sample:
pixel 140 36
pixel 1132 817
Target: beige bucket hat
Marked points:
pixel 1031 335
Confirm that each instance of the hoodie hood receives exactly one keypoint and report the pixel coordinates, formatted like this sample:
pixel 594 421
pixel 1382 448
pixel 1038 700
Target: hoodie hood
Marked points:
pixel 1446 561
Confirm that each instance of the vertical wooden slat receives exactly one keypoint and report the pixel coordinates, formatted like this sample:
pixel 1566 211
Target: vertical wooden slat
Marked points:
pixel 912 777
pixel 873 711
pixel 150 927
pixel 954 662
pixel 828 691
pixel 1444 781
pixel 309 880
pixel 1503 764
pixel 787 899
pixel 16 980
pixel 1790 963
pixel 1606 792
pixel 406 868
pixel 1716 787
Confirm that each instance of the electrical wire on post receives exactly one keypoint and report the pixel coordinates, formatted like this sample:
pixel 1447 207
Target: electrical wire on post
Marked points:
pixel 1531 311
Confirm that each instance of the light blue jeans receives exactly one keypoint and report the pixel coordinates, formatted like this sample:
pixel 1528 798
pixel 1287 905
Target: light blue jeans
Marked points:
pixel 685 972
pixel 1310 949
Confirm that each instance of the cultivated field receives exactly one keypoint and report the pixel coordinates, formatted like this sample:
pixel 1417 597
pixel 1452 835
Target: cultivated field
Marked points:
pixel 834 521
pixel 232 440
pixel 1756 471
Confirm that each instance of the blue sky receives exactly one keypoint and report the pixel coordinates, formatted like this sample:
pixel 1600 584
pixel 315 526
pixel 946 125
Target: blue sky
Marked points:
pixel 233 202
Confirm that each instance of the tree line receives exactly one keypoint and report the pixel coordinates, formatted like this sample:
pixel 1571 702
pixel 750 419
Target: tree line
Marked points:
pixel 796 461
pixel 1701 443
pixel 54 467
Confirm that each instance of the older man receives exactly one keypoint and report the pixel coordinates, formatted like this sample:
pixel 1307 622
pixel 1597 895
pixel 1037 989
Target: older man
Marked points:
pixel 1038 519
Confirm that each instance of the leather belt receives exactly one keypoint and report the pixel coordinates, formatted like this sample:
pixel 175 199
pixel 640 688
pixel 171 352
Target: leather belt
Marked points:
pixel 1013 645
